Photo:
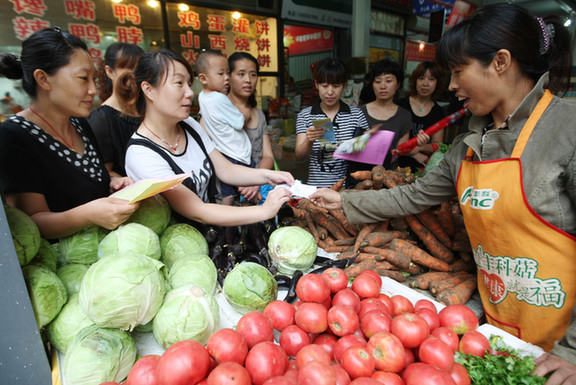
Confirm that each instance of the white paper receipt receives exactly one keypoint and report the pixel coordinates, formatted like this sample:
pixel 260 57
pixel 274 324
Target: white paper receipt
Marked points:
pixel 299 189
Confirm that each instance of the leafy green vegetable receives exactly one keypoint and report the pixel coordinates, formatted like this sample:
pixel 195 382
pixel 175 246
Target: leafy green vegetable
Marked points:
pixel 46 256
pixel 292 248
pixel 131 237
pixel 154 213
pixel 506 366
pixel 47 293
pixel 82 246
pixel 249 286
pixel 179 240
pixel 25 234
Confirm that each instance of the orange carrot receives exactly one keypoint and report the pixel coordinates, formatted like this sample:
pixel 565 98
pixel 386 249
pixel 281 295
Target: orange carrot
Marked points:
pixel 345 241
pixel 395 275
pixel 336 249
pixel 377 177
pixel 382 226
pixel 441 285
pixel 419 256
pixel 364 185
pixel 442 213
pixel 378 239
pixel 428 219
pixel 462 265
pixel 458 294
pixel 465 256
pixel 378 169
pixel 392 256
pixel 312 227
pixel 366 229
pixel 298 213
pixel 435 247
pixel 341 217
pixel 460 241
pixel 347 254
pixel 306 204
pixel 329 223
pixel 423 280
pixel 338 185
pixel 355 270
pixel 389 180
pixel 361 175
pixel 399 223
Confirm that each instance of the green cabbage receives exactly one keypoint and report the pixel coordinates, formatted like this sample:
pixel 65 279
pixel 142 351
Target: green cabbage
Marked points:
pixel 71 276
pixel 25 234
pixel 186 314
pixel 67 324
pixel 82 246
pixel 292 248
pixel 47 293
pixel 153 212
pixel 435 158
pixel 197 270
pixel 46 256
pixel 131 237
pixel 181 239
pixel 250 286
pixel 98 355
pixel 123 291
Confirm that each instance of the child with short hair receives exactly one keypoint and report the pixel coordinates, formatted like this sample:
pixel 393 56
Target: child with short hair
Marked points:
pixel 322 127
pixel 223 122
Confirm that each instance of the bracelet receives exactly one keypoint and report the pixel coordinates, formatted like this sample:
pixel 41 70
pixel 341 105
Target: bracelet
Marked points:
pixel 435 147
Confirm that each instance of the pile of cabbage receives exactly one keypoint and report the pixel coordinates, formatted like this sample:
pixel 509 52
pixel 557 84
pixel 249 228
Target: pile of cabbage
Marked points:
pixel 92 290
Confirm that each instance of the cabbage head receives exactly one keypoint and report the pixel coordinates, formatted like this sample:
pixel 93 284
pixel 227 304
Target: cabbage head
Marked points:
pixel 82 246
pixel 98 355
pixel 250 286
pixel 153 212
pixel 123 291
pixel 25 234
pixel 131 237
pixel 186 314
pixel 67 324
pixel 197 270
pixel 47 293
pixel 292 248
pixel 46 256
pixel 181 239
pixel 71 276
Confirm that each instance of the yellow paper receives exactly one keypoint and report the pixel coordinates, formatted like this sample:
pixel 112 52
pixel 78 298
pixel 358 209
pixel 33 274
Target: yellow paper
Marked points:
pixel 148 187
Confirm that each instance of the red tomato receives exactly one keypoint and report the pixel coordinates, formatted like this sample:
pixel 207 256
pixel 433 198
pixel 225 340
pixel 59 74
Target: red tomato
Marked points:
pixel 410 328
pixel 143 372
pixel 425 304
pixel 292 339
pixel 328 303
pixel 448 336
pixel 430 316
pixel 475 343
pixel 435 352
pixel 311 317
pixel 375 321
pixel 312 352
pixel 344 343
pixel 265 360
pixel 347 297
pixel 374 275
pixel 280 380
pixel 336 279
pixel 358 362
pixel 366 286
pixel 365 381
pixel 368 304
pixel 410 355
pixel 458 318
pixel 387 301
pixel 312 288
pixel 460 374
pixel 342 377
pixel 227 345
pixel 401 305
pixel 316 373
pixel 420 373
pixel 388 352
pixel 185 362
pixel 296 304
pixel 292 372
pixel 387 378
pixel 280 313
pixel 203 382
pixel 327 341
pixel 342 320
pixel 229 373
pixel 255 327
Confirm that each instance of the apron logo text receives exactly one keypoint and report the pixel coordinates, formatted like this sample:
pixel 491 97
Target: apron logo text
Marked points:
pixel 502 275
pixel 480 199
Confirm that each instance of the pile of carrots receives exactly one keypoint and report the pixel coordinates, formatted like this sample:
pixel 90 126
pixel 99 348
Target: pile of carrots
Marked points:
pixel 427 251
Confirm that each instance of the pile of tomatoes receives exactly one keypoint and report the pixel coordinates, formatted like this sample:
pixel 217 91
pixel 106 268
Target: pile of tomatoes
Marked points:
pixel 335 334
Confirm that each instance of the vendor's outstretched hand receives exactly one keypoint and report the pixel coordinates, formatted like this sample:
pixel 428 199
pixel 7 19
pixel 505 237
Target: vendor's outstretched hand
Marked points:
pixel 327 198
pixel 563 372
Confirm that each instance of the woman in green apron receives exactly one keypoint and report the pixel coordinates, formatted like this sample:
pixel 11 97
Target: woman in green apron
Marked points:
pixel 513 173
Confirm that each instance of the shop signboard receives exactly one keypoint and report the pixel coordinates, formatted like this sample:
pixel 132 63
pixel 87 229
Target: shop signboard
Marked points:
pixel 300 40
pixel 419 51
pixel 333 13
pixel 462 9
pixel 426 7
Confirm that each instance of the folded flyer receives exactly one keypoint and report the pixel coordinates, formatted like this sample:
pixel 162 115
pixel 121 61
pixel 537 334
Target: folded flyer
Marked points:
pixel 147 187
pixel 299 189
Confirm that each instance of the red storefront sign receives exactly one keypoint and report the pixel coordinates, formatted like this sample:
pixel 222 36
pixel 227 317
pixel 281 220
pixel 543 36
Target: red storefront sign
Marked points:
pixel 301 40
pixel 416 51
pixel 461 10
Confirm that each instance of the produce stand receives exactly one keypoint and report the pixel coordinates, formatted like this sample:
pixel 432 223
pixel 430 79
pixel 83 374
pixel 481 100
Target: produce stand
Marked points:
pixel 23 358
